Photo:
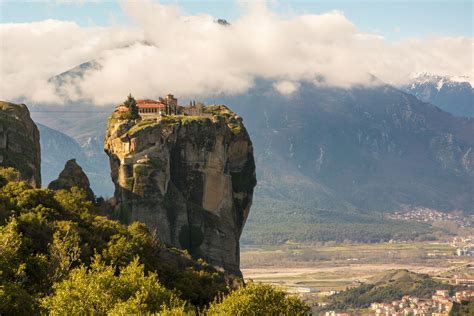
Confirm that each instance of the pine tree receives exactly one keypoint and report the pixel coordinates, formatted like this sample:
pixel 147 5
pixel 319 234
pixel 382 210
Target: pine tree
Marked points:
pixel 131 104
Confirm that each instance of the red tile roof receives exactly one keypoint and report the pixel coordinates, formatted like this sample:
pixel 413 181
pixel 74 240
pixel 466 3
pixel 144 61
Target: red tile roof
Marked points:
pixel 151 106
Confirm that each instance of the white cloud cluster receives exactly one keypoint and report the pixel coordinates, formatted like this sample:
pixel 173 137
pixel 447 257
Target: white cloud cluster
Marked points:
pixel 165 51
pixel 286 87
pixel 31 53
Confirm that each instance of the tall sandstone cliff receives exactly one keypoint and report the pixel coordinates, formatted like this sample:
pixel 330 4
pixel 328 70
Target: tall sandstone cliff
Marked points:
pixel 189 177
pixel 19 142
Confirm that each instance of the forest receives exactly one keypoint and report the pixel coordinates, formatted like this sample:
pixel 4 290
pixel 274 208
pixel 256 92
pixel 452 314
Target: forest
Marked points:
pixel 275 222
pixel 60 255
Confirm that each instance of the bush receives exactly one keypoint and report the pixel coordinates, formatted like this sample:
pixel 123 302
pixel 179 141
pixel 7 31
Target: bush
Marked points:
pixel 8 174
pixel 99 291
pixel 258 299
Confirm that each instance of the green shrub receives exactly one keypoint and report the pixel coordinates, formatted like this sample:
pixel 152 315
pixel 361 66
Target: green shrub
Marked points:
pixel 99 291
pixel 8 175
pixel 258 299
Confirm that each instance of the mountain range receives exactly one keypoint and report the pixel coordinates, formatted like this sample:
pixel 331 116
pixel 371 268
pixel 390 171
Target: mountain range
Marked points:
pixel 452 94
pixel 373 148
pixel 323 154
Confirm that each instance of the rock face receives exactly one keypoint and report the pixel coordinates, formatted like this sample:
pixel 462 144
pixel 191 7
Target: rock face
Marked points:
pixel 72 176
pixel 189 177
pixel 19 142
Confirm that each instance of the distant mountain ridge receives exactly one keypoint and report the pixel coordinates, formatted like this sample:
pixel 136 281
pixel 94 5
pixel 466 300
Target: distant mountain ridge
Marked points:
pixel 452 94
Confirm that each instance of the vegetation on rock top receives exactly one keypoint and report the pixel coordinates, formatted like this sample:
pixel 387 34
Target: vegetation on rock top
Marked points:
pixel 221 111
pixel 8 105
pixel 218 112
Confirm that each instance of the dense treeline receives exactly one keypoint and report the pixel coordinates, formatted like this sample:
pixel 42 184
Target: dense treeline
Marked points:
pixel 299 223
pixel 58 256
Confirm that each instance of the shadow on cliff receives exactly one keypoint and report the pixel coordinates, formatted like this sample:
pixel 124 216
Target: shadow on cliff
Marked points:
pixel 190 236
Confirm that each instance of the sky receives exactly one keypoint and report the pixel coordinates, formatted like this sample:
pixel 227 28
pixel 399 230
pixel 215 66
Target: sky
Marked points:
pixel 177 46
pixel 395 20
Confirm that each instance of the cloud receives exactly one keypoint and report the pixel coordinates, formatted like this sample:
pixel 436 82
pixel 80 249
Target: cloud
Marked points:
pixel 31 53
pixel 165 51
pixel 286 87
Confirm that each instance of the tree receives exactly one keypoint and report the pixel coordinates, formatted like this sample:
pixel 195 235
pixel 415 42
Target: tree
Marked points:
pixel 8 174
pixel 258 299
pixel 64 251
pixel 14 300
pixel 99 291
pixel 131 104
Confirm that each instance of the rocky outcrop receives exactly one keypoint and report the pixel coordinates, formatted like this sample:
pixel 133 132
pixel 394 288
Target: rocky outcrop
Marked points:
pixel 72 176
pixel 189 177
pixel 19 142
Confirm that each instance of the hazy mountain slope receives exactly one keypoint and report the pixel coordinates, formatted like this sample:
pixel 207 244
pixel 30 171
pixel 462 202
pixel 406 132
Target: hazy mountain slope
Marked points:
pixel 57 148
pixel 80 121
pixel 452 94
pixel 375 148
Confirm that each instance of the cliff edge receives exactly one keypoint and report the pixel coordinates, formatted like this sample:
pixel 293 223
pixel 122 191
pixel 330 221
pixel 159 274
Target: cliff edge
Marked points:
pixel 19 142
pixel 190 178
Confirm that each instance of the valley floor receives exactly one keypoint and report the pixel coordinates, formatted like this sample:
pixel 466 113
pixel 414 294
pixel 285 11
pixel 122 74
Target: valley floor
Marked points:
pixel 322 269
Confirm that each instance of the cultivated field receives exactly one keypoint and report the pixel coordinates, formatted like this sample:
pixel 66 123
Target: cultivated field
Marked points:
pixel 323 268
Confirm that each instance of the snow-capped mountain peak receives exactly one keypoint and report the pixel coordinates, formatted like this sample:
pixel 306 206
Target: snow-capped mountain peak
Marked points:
pixel 454 94
pixel 437 80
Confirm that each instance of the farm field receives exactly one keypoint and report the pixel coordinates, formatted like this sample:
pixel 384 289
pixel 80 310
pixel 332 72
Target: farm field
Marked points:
pixel 323 268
